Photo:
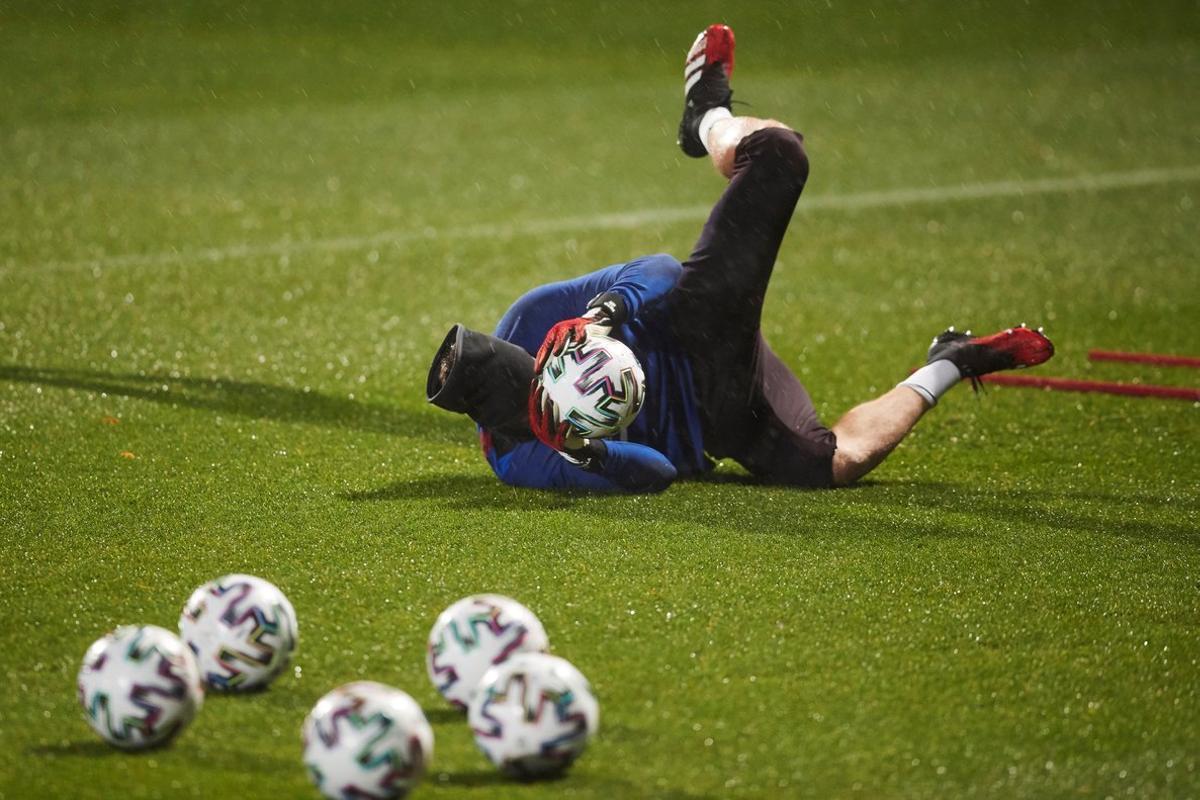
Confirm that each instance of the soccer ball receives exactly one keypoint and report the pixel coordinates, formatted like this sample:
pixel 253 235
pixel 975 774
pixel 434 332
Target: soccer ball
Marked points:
pixel 597 386
pixel 242 630
pixel 365 739
pixel 475 633
pixel 139 686
pixel 533 715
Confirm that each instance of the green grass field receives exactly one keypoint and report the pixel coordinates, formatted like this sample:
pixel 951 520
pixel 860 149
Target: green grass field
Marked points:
pixel 231 238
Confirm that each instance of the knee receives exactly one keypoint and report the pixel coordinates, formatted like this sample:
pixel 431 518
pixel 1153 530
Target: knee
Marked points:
pixel 785 147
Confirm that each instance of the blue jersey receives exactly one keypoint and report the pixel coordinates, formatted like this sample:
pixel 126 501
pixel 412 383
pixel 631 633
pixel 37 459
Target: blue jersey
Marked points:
pixel 664 441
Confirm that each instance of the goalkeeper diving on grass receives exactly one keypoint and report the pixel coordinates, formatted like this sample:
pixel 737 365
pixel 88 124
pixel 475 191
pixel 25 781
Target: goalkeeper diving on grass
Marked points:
pixel 712 389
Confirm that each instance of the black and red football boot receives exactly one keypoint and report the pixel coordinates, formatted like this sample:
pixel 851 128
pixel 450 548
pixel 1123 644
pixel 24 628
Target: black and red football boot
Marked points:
pixel 976 356
pixel 706 73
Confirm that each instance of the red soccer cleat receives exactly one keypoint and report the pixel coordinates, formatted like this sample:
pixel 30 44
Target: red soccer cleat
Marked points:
pixel 713 45
pixel 977 356
pixel 706 72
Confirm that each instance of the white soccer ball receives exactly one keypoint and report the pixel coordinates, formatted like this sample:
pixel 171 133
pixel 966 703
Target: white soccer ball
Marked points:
pixel 474 634
pixel 139 686
pixel 242 630
pixel 365 739
pixel 597 387
pixel 533 715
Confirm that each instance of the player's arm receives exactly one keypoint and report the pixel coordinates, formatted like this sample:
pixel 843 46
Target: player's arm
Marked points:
pixel 628 288
pixel 606 466
pixel 622 291
pixel 608 297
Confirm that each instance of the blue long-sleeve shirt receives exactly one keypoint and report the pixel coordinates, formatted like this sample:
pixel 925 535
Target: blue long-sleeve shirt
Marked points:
pixel 664 441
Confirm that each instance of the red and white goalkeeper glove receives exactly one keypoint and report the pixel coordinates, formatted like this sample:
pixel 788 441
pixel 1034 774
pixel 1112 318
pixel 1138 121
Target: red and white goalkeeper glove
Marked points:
pixel 557 434
pixel 544 421
pixel 605 312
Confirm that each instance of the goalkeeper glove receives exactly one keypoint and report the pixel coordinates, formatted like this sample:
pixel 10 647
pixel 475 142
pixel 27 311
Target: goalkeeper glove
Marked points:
pixel 605 312
pixel 584 453
pixel 542 419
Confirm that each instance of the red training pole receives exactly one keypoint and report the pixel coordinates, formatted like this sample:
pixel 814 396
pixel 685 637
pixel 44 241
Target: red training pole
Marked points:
pixel 1144 358
pixel 1101 387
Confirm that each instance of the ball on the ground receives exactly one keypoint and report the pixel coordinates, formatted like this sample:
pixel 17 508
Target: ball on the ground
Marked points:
pixel 242 630
pixel 139 686
pixel 365 739
pixel 474 634
pixel 597 387
pixel 533 715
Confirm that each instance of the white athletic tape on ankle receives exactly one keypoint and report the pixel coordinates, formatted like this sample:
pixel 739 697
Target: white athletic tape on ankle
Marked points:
pixel 933 380
pixel 710 118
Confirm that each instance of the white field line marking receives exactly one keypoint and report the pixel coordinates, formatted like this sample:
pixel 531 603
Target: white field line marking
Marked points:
pixel 649 216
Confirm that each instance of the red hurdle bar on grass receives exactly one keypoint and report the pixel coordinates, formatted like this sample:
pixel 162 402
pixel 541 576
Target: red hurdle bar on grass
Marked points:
pixel 1144 358
pixel 1102 387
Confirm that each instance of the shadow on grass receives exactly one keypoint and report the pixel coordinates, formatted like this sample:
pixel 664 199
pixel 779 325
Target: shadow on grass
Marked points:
pixel 248 399
pixel 91 748
pixel 472 493
pixel 743 511
pixel 233 759
pixel 464 492
pixel 1067 511
pixel 473 778
pixel 445 716
pixel 921 509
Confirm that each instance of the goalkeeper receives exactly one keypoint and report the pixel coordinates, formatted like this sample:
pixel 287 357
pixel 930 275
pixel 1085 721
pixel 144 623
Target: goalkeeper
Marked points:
pixel 714 389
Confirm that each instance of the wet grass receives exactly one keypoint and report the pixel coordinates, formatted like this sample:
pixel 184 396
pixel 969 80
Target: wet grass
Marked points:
pixel 211 361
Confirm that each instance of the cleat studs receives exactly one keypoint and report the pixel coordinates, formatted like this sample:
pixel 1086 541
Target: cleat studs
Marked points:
pixel 950 329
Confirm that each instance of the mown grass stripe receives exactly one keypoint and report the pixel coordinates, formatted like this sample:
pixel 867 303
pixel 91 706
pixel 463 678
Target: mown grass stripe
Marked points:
pixel 884 198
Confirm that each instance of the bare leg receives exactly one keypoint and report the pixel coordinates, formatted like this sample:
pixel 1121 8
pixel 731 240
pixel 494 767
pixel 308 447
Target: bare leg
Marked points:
pixel 867 433
pixel 725 136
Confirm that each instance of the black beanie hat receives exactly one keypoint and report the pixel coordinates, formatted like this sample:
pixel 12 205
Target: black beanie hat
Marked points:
pixel 488 380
